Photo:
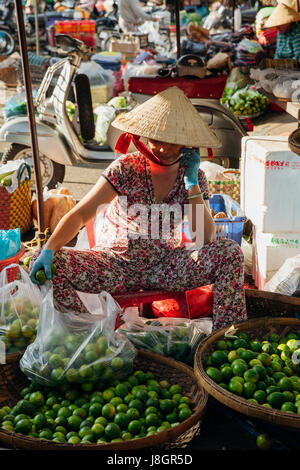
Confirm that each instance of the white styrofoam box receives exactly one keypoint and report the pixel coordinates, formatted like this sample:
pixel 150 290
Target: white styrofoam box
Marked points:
pixel 270 250
pixel 270 184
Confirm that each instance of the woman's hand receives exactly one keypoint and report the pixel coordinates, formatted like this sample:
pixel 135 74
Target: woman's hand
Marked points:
pixel 191 158
pixel 44 261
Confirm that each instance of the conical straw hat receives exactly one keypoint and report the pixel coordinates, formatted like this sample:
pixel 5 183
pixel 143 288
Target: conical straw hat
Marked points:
pixel 169 117
pixel 282 14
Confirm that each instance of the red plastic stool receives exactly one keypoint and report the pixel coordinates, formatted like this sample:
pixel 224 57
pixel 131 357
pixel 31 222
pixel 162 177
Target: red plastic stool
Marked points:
pixel 147 297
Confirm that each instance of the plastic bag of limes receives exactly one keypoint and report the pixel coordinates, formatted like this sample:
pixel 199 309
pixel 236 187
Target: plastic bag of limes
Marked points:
pixel 78 348
pixel 172 337
pixel 20 303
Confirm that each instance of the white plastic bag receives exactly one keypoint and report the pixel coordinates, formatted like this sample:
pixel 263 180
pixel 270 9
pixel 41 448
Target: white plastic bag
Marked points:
pixel 141 70
pixel 97 74
pixel 172 337
pixel 283 89
pixel 286 281
pixel 78 348
pixel 20 303
pixel 247 252
pixel 213 172
pixel 105 115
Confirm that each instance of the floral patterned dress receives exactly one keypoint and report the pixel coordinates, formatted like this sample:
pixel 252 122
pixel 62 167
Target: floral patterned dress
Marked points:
pixel 129 259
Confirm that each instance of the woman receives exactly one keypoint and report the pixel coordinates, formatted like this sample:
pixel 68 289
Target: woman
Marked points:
pixel 285 20
pixel 131 15
pixel 139 187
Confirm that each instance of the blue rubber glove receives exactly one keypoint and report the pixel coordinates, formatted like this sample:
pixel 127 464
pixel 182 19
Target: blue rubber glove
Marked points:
pixel 191 158
pixel 44 261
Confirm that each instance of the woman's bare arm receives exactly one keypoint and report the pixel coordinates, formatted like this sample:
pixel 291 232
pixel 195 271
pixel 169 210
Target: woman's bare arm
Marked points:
pixel 68 227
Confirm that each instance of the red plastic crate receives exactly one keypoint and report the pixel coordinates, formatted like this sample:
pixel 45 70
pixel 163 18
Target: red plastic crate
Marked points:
pixel 78 29
pixel 211 87
pixel 12 273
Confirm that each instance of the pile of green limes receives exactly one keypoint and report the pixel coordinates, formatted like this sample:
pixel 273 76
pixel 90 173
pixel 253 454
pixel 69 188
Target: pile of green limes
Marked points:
pixel 18 324
pixel 136 407
pixel 63 360
pixel 264 372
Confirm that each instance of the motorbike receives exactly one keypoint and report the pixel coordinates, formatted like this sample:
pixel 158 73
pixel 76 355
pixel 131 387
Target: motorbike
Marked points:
pixel 64 142
pixel 107 27
pixel 8 28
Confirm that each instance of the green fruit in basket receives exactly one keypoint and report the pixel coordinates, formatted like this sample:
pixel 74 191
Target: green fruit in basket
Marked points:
pixel 219 357
pixel 24 426
pixel 13 331
pixel 214 374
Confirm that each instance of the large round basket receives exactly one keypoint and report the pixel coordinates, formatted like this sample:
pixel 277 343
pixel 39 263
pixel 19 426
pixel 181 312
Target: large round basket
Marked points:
pixel 164 369
pixel 10 377
pixel 256 329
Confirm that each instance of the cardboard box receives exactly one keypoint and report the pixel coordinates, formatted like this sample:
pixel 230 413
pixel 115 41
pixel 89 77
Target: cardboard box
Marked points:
pixel 124 46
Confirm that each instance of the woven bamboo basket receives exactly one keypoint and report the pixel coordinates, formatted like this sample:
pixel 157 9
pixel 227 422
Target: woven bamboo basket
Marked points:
pixel 163 368
pixel 256 329
pixel 10 378
pixel 260 303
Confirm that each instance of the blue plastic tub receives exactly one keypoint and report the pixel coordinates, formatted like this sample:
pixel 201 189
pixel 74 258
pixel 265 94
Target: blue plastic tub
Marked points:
pixel 227 228
pixel 231 228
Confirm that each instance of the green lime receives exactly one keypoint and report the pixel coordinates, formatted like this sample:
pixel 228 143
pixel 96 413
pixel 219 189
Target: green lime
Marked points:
pixel 23 426
pixel 133 413
pixel 255 346
pixel 251 376
pixel 264 442
pixel 108 411
pixel 239 369
pixel 112 431
pixel 45 434
pixel 37 399
pixel 74 422
pixel 39 421
pixel 134 427
pixel 117 363
pixel 101 420
pixel 248 389
pixel 218 358
pixel 288 407
pixel 74 440
pixel 235 387
pixel 214 374
pixel 96 409
pixel 221 345
pixel 122 390
pixel 285 383
pixel 122 420
pixel 260 396
pixel 137 404
pixel 276 399
pixel 184 413
pixel 98 430
pixel 152 419
pixel 81 412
